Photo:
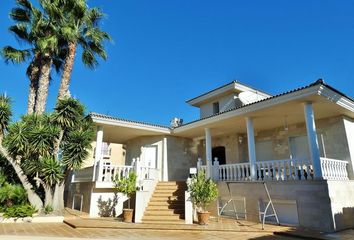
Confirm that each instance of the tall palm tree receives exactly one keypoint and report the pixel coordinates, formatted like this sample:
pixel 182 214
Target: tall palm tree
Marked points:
pixel 79 26
pixel 22 15
pixel 37 31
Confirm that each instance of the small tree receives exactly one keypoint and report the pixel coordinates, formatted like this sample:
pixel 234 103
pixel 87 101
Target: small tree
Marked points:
pixel 126 185
pixel 203 191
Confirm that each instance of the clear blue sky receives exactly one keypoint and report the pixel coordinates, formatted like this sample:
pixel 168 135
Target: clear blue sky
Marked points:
pixel 166 52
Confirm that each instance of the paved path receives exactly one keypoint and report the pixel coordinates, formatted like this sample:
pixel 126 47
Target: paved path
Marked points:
pixel 41 231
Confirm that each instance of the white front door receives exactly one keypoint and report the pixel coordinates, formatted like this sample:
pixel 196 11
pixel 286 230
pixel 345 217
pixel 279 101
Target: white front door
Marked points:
pixel 149 156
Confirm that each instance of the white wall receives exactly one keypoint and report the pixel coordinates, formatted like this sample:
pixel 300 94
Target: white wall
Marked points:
pixel 105 195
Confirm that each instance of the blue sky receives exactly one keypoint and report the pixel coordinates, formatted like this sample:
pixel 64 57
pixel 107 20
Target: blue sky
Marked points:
pixel 166 52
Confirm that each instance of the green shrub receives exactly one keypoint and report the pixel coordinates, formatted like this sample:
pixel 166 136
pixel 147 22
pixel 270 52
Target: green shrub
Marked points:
pixel 203 191
pixel 48 209
pixel 19 211
pixel 12 194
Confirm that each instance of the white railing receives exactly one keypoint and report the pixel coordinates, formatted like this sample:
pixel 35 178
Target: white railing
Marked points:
pixel 333 169
pixel 234 172
pixel 286 169
pixel 109 172
pixel 279 170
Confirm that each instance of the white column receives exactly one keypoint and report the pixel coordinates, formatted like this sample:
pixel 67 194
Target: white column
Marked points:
pixel 216 169
pixel 251 147
pixel 98 153
pixel 165 163
pixel 312 140
pixel 208 153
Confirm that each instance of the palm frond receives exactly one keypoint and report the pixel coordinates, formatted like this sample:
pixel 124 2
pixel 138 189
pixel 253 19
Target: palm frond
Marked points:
pixel 14 55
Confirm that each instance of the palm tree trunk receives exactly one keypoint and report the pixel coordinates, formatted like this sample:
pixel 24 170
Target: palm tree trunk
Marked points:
pixel 33 87
pixel 43 86
pixel 33 198
pixel 68 67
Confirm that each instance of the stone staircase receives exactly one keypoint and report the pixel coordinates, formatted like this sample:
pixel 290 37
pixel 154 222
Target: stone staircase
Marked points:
pixel 166 205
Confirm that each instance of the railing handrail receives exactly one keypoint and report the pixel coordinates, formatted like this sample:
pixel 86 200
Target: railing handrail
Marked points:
pixel 334 160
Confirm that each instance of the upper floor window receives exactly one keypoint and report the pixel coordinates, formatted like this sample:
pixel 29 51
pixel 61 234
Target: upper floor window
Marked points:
pixel 216 107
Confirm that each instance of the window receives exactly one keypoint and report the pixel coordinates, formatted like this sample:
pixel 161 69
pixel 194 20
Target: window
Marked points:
pixel 215 107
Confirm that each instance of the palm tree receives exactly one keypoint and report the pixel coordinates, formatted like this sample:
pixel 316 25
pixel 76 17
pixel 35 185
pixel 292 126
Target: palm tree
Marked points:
pixel 36 30
pixel 22 15
pixel 79 26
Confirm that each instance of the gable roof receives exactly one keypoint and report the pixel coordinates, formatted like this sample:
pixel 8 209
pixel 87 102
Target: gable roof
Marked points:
pixel 232 87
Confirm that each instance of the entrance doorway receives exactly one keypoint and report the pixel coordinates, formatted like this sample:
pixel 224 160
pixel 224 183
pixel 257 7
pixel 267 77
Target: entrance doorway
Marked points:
pixel 219 152
pixel 149 156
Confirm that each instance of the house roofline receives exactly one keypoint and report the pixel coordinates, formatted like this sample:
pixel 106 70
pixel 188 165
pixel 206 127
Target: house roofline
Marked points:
pixel 106 119
pixel 194 101
pixel 346 103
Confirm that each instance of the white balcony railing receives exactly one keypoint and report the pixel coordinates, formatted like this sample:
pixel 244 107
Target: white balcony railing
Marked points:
pixel 279 170
pixel 109 172
pixel 287 169
pixel 333 169
pixel 234 172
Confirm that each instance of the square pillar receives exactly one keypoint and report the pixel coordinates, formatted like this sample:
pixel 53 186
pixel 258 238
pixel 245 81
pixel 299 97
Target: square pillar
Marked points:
pixel 208 152
pixel 312 140
pixel 98 154
pixel 165 162
pixel 251 148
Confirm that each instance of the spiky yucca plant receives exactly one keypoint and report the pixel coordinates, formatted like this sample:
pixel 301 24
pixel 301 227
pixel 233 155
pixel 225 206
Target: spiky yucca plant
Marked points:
pixel 32 146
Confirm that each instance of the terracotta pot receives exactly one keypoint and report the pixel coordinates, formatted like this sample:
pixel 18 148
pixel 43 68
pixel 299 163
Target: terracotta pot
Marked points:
pixel 128 215
pixel 203 218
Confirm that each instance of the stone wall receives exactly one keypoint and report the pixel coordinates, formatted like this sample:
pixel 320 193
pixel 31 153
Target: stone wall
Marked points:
pixel 181 155
pixel 310 200
pixel 320 205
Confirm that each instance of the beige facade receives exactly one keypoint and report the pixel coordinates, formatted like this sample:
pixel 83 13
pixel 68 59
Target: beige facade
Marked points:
pixel 114 153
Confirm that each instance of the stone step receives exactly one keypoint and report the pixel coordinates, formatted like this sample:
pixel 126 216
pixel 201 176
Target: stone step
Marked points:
pixel 177 190
pixel 163 212
pixel 181 184
pixel 170 222
pixel 161 218
pixel 172 199
pixel 159 194
pixel 163 207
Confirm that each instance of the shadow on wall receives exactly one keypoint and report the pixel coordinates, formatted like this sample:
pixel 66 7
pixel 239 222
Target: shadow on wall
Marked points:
pixel 107 208
pixel 345 219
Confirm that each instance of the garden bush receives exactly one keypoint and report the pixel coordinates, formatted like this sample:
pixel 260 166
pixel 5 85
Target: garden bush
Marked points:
pixel 19 211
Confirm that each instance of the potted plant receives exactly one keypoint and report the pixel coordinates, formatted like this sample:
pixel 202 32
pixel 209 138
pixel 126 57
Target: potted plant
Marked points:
pixel 203 191
pixel 127 186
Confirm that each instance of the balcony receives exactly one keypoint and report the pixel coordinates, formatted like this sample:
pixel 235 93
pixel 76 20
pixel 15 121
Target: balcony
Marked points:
pixel 280 170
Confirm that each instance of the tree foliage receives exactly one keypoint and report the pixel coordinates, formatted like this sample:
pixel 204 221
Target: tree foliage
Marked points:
pixel 47 147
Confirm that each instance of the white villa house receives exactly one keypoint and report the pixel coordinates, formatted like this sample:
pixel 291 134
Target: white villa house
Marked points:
pixel 300 143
